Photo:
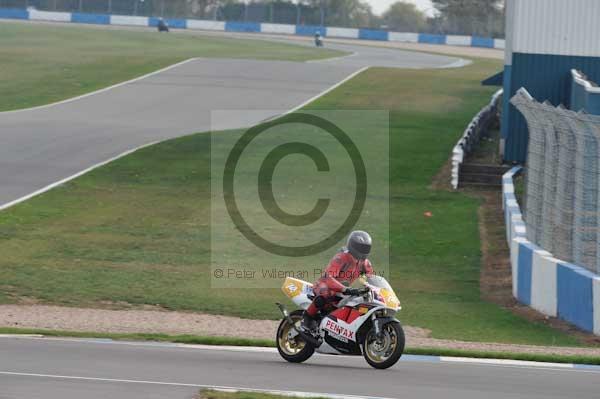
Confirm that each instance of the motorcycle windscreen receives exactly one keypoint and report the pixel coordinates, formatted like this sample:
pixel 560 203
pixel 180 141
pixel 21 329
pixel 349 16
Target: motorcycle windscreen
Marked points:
pixel 385 292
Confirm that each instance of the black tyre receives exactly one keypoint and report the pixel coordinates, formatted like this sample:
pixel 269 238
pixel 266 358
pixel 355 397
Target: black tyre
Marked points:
pixel 294 350
pixel 386 351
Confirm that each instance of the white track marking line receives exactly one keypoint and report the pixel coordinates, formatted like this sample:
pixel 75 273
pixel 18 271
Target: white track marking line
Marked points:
pixel 68 100
pixel 505 363
pixel 327 91
pixel 67 179
pixel 182 384
pixel 78 174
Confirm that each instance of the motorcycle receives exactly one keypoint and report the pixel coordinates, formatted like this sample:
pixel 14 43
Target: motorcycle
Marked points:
pixel 318 41
pixel 360 325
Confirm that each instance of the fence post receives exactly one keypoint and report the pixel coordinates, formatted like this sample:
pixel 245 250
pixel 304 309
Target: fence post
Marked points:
pixel 80 5
pixel 549 183
pixel 565 186
pixel 534 170
pixel 110 6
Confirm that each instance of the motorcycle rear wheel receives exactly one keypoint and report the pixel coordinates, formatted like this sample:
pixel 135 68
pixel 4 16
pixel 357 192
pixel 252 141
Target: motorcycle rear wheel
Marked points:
pixel 385 352
pixel 294 350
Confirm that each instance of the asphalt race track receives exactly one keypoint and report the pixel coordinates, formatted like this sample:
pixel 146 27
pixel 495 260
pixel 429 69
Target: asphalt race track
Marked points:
pixel 73 369
pixel 43 145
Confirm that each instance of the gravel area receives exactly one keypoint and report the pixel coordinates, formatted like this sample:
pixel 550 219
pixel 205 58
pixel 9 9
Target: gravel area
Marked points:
pixel 178 323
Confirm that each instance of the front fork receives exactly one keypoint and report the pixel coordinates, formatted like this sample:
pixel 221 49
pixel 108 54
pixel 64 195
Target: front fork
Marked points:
pixel 378 326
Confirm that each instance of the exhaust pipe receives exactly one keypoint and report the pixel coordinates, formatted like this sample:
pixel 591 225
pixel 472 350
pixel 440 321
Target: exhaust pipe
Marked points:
pixel 315 342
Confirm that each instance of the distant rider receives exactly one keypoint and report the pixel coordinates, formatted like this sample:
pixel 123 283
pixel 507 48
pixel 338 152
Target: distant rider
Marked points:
pixel 318 39
pixel 345 267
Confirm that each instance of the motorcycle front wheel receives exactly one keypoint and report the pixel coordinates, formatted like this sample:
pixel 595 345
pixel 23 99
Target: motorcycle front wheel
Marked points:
pixel 384 351
pixel 293 349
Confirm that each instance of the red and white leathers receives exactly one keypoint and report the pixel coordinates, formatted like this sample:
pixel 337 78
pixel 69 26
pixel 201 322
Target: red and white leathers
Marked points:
pixel 342 271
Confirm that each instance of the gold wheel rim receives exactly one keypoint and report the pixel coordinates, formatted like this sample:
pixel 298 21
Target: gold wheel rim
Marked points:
pixel 290 346
pixel 380 351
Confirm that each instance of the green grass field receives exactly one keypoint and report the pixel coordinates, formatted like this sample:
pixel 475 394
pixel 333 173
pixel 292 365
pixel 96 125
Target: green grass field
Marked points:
pixel 138 230
pixel 46 63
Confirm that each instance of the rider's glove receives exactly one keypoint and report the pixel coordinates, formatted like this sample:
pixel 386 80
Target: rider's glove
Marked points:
pixel 352 291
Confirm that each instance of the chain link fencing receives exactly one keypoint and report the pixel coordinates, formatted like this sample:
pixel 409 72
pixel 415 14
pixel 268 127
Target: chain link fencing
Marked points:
pixel 562 178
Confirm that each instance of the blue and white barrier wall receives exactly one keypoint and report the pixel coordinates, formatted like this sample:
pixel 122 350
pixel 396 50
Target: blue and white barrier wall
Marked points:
pixel 549 285
pixel 255 27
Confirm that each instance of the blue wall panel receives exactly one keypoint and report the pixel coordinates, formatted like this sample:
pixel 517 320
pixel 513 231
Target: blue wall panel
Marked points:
pixel 432 39
pixel 172 22
pixel 13 13
pixel 524 271
pixel 242 26
pixel 310 30
pixel 575 296
pixel 546 77
pixel 482 42
pixel 370 34
pixel 84 18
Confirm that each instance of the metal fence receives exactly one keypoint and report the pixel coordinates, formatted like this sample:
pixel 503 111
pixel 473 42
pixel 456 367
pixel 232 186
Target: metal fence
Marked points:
pixel 562 179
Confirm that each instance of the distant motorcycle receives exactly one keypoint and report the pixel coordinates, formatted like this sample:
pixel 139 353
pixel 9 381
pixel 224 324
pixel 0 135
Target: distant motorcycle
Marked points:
pixel 318 40
pixel 361 325
pixel 162 25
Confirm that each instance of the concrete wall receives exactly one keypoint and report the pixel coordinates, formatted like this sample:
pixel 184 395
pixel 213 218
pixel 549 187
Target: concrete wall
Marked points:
pixel 254 27
pixel 549 285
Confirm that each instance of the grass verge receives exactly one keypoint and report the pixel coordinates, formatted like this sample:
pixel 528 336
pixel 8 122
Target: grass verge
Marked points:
pixel 138 230
pixel 230 341
pixel 41 64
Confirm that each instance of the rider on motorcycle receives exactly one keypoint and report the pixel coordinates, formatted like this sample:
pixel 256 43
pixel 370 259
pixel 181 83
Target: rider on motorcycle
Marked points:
pixel 345 267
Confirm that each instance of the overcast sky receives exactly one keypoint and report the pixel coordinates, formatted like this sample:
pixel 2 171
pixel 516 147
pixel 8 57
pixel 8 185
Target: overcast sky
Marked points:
pixel 380 6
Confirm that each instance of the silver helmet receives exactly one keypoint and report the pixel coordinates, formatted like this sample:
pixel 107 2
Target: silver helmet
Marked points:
pixel 359 244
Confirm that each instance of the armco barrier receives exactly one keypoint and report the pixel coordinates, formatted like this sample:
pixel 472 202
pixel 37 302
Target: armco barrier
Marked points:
pixel 547 284
pixel 432 39
pixel 12 13
pixel 205 25
pixel 482 42
pixel 36 15
pixel 278 28
pixel 403 37
pixel 232 26
pixel 253 27
pixel 342 32
pixel 96 19
pixel 128 20
pixel 369 34
pixel 310 30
